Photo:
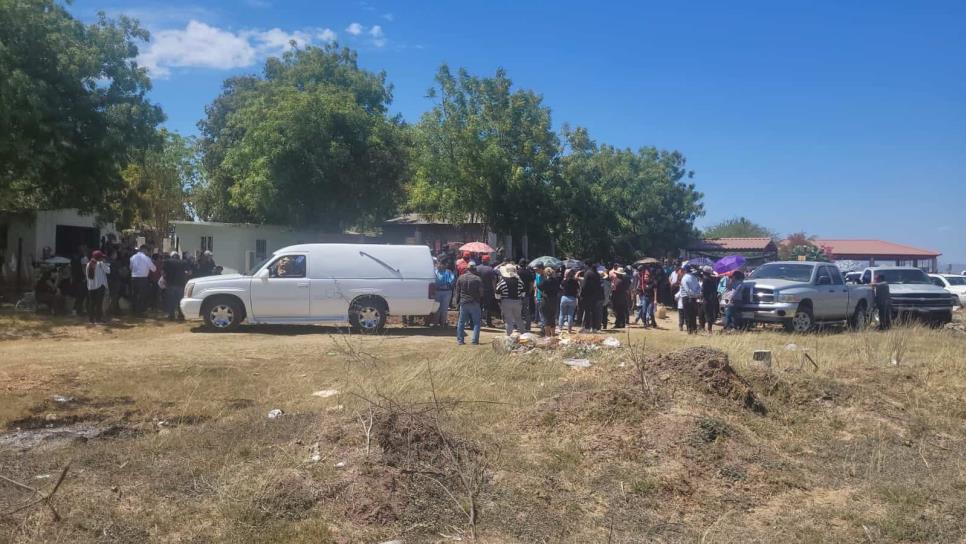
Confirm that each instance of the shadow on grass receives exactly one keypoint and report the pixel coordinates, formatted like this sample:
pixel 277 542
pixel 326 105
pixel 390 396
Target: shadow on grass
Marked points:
pixel 302 330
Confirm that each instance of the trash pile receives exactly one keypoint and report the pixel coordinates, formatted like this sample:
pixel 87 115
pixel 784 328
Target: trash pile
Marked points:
pixel 956 326
pixel 575 344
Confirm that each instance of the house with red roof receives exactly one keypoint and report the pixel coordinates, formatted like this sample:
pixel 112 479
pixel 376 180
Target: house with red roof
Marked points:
pixel 879 252
pixel 873 252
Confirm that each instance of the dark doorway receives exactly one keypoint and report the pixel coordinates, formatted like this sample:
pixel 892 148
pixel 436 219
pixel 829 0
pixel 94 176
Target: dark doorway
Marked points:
pixel 70 238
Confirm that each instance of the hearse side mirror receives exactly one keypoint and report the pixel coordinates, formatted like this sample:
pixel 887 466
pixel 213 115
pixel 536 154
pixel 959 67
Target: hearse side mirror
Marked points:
pixel 262 274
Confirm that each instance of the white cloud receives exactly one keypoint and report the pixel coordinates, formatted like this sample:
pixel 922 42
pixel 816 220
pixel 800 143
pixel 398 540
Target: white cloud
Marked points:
pixel 388 16
pixel 197 46
pixel 355 29
pixel 378 37
pixel 276 41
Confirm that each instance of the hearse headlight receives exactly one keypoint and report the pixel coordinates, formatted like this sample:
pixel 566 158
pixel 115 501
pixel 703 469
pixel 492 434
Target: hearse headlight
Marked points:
pixel 188 289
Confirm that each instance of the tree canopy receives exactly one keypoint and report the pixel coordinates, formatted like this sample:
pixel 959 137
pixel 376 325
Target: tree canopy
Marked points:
pixel 739 227
pixel 308 143
pixel 623 202
pixel 486 151
pixel 72 106
pixel 159 184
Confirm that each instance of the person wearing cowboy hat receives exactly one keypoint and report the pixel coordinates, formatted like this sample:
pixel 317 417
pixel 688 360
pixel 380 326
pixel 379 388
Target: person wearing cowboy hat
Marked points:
pixel 620 298
pixel 510 291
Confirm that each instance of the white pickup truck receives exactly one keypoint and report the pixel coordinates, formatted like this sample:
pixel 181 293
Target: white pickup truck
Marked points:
pixel 359 284
pixel 801 294
pixel 912 293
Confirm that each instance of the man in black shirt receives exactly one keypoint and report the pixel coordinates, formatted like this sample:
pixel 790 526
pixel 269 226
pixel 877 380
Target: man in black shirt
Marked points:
pixel 620 298
pixel 527 277
pixel 174 279
pixel 468 295
pixel 488 305
pixel 883 302
pixel 592 296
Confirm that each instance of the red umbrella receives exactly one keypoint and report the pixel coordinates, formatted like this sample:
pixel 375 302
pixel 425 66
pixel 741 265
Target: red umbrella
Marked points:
pixel 477 247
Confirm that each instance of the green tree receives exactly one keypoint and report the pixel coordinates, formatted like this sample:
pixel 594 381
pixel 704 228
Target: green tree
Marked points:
pixel 801 245
pixel 487 151
pixel 739 227
pixel 309 143
pixel 72 106
pixel 624 202
pixel 159 184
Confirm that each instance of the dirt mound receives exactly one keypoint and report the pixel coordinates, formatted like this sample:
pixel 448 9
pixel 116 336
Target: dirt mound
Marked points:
pixel 408 439
pixel 709 367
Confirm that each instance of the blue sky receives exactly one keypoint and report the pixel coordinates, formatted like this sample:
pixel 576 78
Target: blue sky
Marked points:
pixel 843 119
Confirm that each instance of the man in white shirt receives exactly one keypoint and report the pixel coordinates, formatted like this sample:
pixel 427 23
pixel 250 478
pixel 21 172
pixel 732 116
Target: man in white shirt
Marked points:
pixel 690 293
pixel 141 266
pixel 96 271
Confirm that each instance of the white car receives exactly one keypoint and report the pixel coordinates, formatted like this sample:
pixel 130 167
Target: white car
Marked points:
pixel 955 284
pixel 359 284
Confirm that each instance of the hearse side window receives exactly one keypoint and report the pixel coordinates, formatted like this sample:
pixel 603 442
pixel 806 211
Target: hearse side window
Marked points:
pixel 287 266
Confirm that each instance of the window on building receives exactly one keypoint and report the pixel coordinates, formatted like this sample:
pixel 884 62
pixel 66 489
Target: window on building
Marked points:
pixel 261 250
pixel 206 244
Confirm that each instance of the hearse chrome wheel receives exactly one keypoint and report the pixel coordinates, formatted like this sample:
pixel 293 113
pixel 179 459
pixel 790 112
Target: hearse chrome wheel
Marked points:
pixel 368 315
pixel 221 316
pixel 369 318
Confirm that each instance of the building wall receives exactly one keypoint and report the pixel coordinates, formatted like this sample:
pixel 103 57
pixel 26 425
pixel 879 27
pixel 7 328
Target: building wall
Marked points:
pixel 37 231
pixel 928 264
pixel 232 242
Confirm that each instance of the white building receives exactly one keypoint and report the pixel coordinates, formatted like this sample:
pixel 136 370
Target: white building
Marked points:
pixel 29 237
pixel 239 247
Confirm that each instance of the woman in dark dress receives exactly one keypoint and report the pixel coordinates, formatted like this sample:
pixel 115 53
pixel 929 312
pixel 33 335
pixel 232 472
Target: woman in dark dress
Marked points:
pixel 549 300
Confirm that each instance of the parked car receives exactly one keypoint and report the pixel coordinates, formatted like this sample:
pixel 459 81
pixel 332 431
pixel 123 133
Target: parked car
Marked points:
pixel 913 293
pixel 358 284
pixel 954 283
pixel 801 294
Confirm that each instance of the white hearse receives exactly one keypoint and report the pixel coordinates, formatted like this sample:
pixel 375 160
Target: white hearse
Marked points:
pixel 359 284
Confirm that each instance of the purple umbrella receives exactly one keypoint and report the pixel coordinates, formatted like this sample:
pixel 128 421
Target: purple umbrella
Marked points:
pixel 729 264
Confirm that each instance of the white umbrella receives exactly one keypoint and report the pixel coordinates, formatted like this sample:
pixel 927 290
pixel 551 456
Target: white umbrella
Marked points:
pixel 57 260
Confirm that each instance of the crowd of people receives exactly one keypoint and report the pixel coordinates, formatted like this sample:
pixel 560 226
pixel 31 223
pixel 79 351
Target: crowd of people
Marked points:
pixel 584 295
pixel 97 283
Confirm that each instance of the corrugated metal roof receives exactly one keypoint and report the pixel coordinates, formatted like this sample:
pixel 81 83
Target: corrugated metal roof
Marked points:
pixel 873 248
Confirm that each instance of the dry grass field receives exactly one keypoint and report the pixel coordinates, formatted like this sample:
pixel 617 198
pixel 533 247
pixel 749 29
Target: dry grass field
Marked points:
pixel 165 436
